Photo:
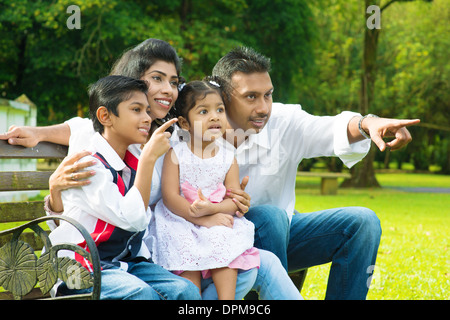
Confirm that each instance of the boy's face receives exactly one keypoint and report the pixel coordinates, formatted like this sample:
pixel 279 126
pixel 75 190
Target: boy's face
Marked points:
pixel 250 102
pixel 133 123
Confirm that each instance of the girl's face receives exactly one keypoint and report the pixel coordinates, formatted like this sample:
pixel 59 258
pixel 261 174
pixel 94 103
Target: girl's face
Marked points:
pixel 162 80
pixel 207 120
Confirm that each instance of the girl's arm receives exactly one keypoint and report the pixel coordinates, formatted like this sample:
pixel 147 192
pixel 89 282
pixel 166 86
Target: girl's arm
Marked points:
pixel 170 186
pixel 175 202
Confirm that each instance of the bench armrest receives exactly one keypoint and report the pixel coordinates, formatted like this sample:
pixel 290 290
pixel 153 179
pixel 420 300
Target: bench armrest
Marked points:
pixel 20 269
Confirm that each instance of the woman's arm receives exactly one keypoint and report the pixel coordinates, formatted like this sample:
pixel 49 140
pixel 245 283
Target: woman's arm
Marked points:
pixel 31 136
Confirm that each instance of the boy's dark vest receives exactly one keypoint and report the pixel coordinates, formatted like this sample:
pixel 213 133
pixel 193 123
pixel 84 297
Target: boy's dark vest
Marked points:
pixel 115 244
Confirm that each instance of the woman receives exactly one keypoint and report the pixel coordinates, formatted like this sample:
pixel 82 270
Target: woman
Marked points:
pixel 156 62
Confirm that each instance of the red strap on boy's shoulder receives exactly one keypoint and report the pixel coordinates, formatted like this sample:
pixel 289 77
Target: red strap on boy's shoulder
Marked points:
pixel 131 160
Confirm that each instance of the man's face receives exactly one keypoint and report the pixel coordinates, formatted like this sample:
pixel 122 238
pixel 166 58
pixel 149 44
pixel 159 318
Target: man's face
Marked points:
pixel 250 102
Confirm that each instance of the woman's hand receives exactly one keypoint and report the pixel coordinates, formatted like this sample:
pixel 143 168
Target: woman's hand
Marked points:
pixel 240 198
pixel 23 136
pixel 71 173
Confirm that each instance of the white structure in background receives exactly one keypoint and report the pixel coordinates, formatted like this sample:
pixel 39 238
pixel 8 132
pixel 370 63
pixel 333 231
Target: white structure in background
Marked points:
pixel 20 112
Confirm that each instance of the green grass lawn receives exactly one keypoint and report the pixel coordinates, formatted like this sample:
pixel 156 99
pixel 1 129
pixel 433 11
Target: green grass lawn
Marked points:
pixel 414 258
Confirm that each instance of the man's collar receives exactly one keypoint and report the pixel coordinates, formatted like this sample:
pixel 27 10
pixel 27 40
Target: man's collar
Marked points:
pixel 261 139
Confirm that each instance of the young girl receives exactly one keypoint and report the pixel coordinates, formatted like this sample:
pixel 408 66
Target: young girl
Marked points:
pixel 196 175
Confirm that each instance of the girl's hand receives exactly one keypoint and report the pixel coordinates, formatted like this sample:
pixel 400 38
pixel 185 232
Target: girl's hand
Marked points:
pixel 218 219
pixel 70 173
pixel 240 198
pixel 201 207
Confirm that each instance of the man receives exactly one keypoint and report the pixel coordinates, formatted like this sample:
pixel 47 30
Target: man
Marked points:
pixel 270 140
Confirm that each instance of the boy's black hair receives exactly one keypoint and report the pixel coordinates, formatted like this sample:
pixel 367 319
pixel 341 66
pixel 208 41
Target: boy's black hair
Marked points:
pixel 241 59
pixel 109 92
pixel 196 90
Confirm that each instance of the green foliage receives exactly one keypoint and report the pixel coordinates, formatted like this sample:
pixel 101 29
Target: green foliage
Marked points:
pixel 412 79
pixel 315 48
pixel 53 65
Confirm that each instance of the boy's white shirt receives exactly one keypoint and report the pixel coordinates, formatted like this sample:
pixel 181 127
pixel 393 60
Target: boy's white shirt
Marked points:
pixel 82 130
pixel 271 157
pixel 102 199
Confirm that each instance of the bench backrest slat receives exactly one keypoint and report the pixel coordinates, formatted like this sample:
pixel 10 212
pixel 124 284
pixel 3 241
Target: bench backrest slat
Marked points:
pixel 44 150
pixel 21 211
pixel 24 211
pixel 24 180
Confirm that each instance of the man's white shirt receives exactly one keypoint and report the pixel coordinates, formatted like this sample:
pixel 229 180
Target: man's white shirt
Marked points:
pixel 271 157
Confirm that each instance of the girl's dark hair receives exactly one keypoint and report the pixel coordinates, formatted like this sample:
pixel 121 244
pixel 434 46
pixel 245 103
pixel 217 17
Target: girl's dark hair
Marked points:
pixel 196 90
pixel 109 92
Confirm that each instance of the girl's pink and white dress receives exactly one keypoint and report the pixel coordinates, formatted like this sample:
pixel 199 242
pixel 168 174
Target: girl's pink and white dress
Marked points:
pixel 179 245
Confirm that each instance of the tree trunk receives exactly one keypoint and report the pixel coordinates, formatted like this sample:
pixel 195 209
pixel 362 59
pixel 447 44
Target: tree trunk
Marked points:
pixel 363 175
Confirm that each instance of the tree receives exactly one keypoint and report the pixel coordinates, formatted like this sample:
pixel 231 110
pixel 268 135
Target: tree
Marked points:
pixel 53 64
pixel 363 175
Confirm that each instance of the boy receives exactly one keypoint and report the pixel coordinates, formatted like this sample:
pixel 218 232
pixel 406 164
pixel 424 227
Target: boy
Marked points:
pixel 114 206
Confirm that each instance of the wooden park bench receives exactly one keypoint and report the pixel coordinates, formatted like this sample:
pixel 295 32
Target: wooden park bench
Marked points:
pixel 20 268
pixel 329 180
pixel 24 275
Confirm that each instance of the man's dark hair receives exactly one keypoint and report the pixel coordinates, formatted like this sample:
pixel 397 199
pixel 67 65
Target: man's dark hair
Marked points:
pixel 109 92
pixel 241 59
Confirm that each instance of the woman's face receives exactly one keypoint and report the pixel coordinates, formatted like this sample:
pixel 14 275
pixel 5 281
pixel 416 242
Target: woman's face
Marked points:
pixel 162 80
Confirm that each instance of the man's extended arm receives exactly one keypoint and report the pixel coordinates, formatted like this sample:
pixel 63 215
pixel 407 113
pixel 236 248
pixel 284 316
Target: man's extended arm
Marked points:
pixel 379 128
pixel 31 136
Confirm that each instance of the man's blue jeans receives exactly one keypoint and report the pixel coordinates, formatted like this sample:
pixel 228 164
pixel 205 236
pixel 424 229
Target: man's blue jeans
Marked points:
pixel 347 237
